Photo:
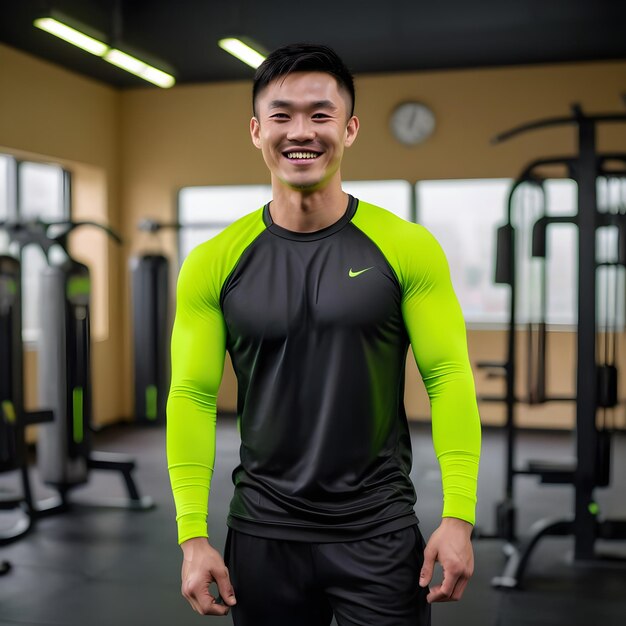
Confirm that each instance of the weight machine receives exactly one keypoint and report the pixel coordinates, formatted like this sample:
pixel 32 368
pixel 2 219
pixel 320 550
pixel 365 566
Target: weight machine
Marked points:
pixel 596 379
pixel 64 454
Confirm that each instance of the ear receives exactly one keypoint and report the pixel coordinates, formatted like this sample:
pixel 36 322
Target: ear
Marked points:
pixel 352 130
pixel 255 131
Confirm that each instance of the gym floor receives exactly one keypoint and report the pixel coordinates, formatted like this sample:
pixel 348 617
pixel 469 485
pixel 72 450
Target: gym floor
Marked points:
pixel 104 567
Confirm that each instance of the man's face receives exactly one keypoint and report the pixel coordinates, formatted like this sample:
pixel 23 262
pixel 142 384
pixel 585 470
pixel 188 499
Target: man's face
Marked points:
pixel 302 126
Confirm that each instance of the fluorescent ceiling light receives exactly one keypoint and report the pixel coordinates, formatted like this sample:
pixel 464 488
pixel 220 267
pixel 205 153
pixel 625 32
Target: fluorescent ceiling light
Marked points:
pixel 67 33
pixel 125 61
pixel 158 77
pixel 112 55
pixel 139 68
pixel 242 51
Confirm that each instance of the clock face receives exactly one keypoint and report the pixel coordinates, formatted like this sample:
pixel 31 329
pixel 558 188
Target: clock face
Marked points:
pixel 411 123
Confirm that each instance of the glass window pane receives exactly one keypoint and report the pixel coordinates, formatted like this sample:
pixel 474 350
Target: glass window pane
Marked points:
pixel 562 255
pixel 7 196
pixel 610 278
pixel 393 195
pixel 218 206
pixel 559 266
pixel 40 191
pixel 4 186
pixel 527 206
pixel 463 215
pixel 33 262
pixel 41 195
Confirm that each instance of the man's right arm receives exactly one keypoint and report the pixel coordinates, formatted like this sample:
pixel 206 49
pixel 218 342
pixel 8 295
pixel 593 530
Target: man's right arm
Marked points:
pixel 198 350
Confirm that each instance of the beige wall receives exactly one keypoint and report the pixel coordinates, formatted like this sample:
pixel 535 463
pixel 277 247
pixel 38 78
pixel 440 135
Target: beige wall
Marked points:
pixel 148 143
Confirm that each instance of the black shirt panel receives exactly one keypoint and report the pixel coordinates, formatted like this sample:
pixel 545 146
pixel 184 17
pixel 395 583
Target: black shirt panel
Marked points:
pixel 318 344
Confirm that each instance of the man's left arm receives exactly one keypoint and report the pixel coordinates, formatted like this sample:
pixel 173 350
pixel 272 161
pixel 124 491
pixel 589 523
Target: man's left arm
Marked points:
pixel 436 329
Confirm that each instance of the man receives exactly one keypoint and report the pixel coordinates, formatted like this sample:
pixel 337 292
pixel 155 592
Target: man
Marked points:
pixel 316 297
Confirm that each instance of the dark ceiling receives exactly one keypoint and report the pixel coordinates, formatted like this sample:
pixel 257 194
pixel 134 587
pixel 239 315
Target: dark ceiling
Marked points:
pixel 383 36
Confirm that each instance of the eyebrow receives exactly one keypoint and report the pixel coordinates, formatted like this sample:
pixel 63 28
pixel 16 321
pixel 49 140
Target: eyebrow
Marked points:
pixel 288 104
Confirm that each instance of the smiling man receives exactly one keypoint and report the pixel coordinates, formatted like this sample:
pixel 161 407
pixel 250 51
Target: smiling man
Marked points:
pixel 316 297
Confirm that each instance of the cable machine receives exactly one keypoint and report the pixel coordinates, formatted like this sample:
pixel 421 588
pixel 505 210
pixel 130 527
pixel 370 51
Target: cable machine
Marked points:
pixel 596 379
pixel 13 417
pixel 64 454
pixel 526 205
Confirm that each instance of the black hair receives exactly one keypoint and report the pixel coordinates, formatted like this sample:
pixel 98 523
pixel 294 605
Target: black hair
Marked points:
pixel 302 57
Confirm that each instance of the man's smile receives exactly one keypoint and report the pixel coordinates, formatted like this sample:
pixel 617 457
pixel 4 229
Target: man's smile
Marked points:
pixel 301 155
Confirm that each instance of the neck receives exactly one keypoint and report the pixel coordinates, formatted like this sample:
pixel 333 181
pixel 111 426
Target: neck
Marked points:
pixel 306 212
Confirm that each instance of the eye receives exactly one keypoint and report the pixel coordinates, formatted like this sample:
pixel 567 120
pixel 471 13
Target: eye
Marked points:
pixel 320 116
pixel 279 116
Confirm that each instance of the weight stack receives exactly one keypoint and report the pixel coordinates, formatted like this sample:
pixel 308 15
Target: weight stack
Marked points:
pixel 11 374
pixel 64 374
pixel 151 336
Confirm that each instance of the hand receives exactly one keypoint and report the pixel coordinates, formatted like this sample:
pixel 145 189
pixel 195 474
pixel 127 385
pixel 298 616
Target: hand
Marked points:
pixel 450 544
pixel 202 565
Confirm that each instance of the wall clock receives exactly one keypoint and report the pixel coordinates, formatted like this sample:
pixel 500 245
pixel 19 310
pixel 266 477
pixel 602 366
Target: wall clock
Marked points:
pixel 412 123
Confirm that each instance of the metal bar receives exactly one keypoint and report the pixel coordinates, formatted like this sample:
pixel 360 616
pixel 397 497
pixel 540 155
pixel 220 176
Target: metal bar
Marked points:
pixel 586 433
pixel 557 121
pixel 510 383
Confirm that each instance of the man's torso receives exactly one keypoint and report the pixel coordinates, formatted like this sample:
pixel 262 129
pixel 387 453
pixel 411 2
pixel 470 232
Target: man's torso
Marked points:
pixel 318 344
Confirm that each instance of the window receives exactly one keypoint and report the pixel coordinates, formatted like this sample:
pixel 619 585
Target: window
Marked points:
pixel 394 195
pixel 562 258
pixel 220 206
pixel 464 215
pixel 30 191
pixel 611 286
pixel 214 208
pixel 7 203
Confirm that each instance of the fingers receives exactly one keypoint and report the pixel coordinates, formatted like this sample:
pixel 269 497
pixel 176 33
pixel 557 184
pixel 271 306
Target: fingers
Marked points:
pixel 451 588
pixel 450 545
pixel 426 574
pixel 203 565
pixel 227 593
pixel 196 591
pixel 202 601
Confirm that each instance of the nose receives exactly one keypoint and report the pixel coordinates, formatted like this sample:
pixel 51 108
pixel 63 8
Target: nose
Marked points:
pixel 301 129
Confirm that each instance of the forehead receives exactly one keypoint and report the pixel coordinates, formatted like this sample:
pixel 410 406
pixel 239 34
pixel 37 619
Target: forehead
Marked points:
pixel 303 87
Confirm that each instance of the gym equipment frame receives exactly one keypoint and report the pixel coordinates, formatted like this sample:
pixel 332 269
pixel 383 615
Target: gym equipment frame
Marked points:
pixel 596 385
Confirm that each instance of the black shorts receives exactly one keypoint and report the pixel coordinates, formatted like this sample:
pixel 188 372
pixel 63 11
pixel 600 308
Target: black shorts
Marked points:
pixel 371 582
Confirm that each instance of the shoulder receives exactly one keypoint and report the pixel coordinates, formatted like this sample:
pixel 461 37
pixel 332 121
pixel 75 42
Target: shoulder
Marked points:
pixel 210 263
pixel 410 249
pixel 241 231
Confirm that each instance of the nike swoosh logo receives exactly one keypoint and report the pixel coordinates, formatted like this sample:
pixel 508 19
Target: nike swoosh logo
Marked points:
pixel 353 274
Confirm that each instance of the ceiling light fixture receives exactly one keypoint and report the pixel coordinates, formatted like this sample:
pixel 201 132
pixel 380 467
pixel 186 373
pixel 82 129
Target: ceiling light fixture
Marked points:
pixel 243 51
pixel 139 68
pixel 57 26
pixel 71 35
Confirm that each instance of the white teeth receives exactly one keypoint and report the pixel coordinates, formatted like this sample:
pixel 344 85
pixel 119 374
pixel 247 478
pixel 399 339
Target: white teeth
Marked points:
pixel 302 155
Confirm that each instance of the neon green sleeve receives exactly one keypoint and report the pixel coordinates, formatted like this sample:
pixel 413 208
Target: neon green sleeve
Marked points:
pixel 436 329
pixel 198 352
